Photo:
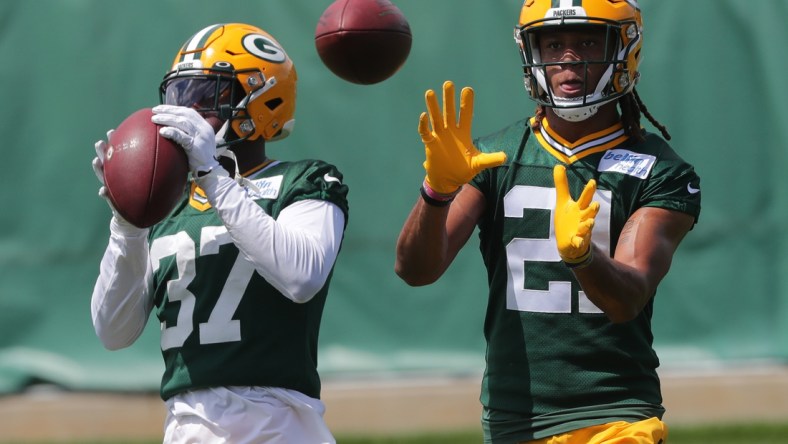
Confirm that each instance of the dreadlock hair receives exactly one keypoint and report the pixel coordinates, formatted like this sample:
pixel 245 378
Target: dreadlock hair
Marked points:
pixel 631 108
pixel 641 107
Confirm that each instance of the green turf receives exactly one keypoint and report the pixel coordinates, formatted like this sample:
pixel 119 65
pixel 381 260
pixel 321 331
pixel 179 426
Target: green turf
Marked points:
pixel 727 434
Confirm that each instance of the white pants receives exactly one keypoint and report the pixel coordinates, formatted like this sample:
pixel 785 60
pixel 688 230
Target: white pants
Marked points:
pixel 245 415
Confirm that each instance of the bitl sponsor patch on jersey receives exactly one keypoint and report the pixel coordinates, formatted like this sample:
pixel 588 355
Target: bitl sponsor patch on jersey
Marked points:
pixel 266 188
pixel 627 162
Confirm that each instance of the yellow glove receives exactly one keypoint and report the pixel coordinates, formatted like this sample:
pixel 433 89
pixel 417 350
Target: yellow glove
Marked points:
pixel 573 220
pixel 452 160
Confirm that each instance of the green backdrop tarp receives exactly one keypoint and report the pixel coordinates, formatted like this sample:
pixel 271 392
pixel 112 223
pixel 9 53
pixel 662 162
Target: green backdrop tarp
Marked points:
pixel 713 72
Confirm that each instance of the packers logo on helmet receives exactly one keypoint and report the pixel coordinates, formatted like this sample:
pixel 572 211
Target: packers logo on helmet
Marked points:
pixel 265 48
pixel 623 23
pixel 240 73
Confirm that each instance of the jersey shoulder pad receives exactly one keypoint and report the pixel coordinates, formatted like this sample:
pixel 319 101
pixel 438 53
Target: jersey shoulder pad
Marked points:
pixel 317 179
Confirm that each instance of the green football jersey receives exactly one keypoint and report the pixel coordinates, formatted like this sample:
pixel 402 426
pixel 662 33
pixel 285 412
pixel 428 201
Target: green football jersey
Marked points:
pixel 555 363
pixel 222 323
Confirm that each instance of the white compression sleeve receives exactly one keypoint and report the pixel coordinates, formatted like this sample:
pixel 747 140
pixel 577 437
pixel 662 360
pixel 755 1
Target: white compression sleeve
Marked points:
pixel 295 252
pixel 122 301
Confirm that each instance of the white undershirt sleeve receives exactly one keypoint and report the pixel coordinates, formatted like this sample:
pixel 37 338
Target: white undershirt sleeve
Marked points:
pixel 294 253
pixel 122 299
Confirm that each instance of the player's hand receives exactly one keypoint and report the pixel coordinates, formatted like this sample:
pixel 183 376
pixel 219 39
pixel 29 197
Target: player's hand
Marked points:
pixel 189 129
pixel 574 221
pixel 122 225
pixel 452 160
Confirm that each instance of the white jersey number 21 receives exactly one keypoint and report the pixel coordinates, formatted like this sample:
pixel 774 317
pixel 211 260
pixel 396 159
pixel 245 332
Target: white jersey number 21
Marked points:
pixel 520 251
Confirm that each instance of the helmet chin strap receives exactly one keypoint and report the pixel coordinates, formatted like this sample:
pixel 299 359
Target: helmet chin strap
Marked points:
pixel 565 107
pixel 221 144
pixel 223 151
pixel 576 114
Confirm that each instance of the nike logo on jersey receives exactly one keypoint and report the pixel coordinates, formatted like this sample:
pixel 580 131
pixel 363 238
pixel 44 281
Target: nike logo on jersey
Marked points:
pixel 627 162
pixel 692 190
pixel 329 178
pixel 267 188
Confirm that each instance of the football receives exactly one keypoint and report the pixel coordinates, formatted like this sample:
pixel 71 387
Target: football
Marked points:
pixel 145 173
pixel 363 41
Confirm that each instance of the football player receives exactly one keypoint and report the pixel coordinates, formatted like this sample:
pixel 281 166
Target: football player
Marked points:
pixel 571 282
pixel 238 273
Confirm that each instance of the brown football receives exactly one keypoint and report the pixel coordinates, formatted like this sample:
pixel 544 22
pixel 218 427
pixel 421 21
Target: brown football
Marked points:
pixel 145 173
pixel 363 41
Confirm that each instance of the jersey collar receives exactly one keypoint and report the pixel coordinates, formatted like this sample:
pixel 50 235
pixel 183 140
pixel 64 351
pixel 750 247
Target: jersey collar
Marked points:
pixel 568 152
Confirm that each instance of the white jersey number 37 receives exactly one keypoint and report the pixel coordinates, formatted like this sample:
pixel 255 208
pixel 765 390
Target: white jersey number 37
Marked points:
pixel 220 326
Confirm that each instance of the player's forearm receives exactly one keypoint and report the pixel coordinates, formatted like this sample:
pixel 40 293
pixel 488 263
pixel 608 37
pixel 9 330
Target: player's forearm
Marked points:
pixel 619 290
pixel 294 253
pixel 422 247
pixel 121 304
pixel 621 286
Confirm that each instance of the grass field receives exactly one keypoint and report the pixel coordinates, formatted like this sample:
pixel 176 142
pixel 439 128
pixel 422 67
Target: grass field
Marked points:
pixel 722 434
pixel 729 434
pixel 747 407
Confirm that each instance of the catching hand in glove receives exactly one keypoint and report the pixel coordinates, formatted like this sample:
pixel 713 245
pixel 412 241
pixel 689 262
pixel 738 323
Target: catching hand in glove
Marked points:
pixel 573 220
pixel 189 129
pixel 121 224
pixel 452 160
